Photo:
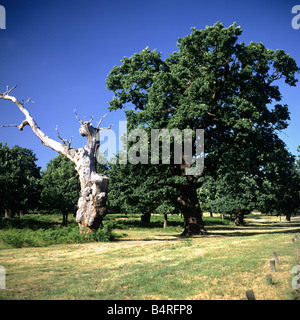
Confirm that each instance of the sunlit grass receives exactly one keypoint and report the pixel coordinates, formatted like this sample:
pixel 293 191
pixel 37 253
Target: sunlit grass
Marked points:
pixel 155 263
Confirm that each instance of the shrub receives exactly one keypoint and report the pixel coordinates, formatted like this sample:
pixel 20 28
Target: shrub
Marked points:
pixel 26 237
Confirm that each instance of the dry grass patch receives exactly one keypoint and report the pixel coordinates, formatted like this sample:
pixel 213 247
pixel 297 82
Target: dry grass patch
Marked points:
pixel 157 264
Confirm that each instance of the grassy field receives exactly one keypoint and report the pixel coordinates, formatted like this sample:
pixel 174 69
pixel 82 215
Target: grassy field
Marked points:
pixel 155 263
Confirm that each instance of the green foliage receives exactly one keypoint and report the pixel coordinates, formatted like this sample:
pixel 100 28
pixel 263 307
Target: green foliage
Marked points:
pixel 229 89
pixel 273 189
pixel 104 234
pixel 45 230
pixel 141 189
pixel 232 192
pixel 61 185
pixel 19 179
pixel 31 232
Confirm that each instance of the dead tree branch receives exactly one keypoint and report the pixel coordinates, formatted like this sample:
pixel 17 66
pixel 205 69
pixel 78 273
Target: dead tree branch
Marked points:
pixel 28 100
pixel 78 117
pixel 8 91
pixel 46 140
pixel 98 126
pixel 21 126
pixel 64 141
pixel 111 125
pixel 101 121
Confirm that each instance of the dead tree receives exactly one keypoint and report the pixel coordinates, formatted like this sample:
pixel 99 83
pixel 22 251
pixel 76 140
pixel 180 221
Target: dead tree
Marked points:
pixel 92 199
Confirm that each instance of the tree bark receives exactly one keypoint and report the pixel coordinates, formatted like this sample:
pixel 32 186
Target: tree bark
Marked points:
pixel 239 217
pixel 65 218
pixel 165 220
pixel 190 208
pixel 1 213
pixel 9 214
pixel 94 186
pixel 146 217
pixel 187 201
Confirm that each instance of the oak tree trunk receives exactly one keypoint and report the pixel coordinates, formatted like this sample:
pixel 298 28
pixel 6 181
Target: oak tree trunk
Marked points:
pixel 9 214
pixel 190 208
pixel 146 217
pixel 239 217
pixel 65 218
pixel 187 201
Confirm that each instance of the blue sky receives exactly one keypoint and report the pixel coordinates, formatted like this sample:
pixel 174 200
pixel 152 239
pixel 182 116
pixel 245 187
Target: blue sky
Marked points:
pixel 59 53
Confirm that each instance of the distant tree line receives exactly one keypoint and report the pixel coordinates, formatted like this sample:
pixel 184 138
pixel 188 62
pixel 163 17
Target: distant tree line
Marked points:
pixel 143 189
pixel 274 189
pixel 25 187
pixel 20 180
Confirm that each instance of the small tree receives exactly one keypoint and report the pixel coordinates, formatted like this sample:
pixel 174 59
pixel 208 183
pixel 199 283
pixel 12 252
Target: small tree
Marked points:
pixel 61 187
pixel 19 180
pixel 236 194
pixel 274 188
pixel 140 189
pixel 281 185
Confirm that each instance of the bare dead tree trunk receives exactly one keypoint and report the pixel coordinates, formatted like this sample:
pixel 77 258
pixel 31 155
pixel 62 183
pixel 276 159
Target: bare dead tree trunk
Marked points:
pixel 92 199
pixel 94 186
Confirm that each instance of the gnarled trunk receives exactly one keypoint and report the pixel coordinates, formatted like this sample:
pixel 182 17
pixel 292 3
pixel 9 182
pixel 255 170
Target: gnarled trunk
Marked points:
pixel 92 200
pixel 146 217
pixel 187 201
pixel 190 208
pixel 239 217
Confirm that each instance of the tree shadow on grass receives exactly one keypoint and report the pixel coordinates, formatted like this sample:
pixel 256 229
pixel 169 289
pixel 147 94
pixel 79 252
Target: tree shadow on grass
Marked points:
pixel 124 224
pixel 28 223
pixel 258 228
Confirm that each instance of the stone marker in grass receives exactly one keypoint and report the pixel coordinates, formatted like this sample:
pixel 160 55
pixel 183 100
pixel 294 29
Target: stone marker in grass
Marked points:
pixel 272 265
pixel 250 295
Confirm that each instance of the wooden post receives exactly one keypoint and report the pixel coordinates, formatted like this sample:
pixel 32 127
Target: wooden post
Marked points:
pixel 250 295
pixel 272 265
pixel 269 279
pixel 275 257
